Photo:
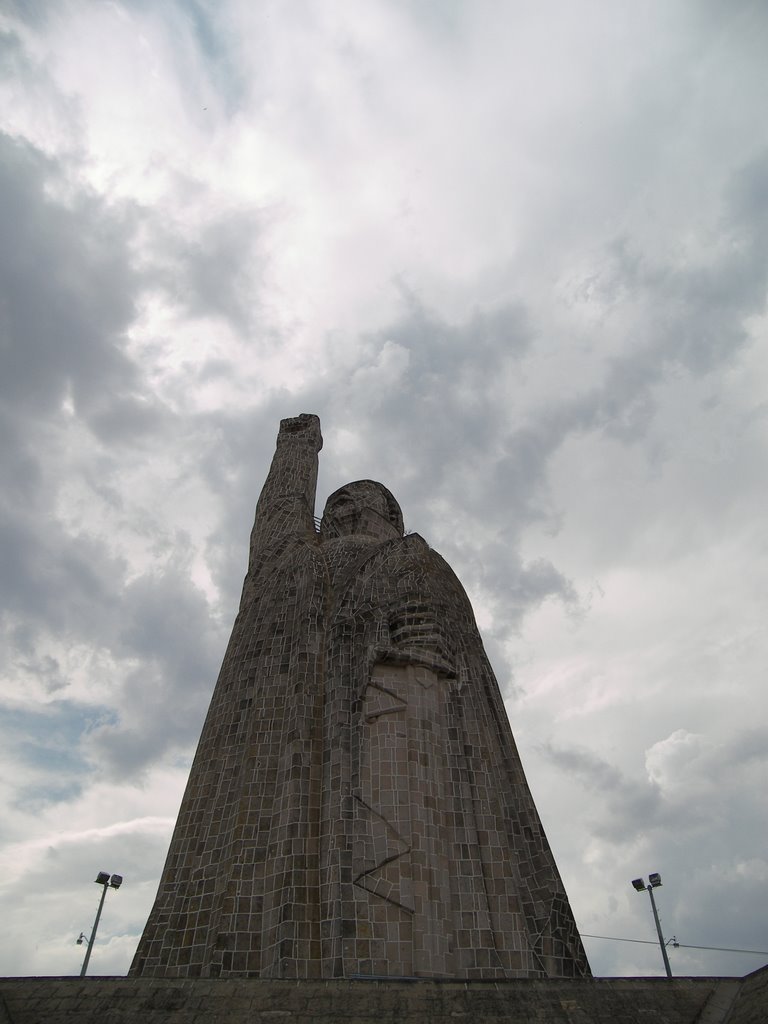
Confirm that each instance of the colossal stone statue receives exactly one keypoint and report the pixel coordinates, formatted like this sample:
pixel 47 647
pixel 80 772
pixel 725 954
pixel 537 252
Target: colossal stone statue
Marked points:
pixel 356 806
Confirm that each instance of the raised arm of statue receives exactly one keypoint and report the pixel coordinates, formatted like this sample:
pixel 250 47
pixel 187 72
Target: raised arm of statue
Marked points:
pixel 286 504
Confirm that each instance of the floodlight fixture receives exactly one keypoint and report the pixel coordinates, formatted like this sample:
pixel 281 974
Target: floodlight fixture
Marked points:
pixel 654 881
pixel 108 882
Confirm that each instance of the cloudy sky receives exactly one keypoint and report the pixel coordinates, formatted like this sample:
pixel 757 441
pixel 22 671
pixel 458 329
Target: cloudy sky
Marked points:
pixel 515 256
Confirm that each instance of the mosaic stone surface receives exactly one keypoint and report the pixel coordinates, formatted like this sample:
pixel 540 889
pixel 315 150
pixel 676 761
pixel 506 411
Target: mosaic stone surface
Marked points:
pixel 356 806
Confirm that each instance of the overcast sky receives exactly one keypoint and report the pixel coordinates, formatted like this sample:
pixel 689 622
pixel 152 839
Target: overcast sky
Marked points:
pixel 515 256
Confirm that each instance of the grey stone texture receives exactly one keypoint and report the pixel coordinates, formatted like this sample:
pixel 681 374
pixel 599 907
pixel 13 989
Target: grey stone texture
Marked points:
pixel 265 1001
pixel 356 806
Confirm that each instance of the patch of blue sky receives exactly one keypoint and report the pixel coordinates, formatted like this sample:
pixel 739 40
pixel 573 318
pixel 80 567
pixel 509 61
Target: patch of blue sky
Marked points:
pixel 201 17
pixel 48 744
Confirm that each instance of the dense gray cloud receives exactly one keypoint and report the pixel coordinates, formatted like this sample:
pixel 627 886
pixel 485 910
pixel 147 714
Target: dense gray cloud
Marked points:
pixel 516 260
pixel 212 273
pixel 69 290
pixel 67 293
pixel 166 625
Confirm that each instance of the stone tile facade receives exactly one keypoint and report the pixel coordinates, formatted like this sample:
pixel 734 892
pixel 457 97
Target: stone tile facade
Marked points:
pixel 428 1001
pixel 356 806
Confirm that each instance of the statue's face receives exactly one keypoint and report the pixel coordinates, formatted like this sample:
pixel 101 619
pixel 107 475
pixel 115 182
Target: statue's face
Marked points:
pixel 360 508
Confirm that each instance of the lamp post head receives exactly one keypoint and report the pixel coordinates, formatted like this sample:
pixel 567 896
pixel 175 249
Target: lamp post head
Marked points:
pixel 639 884
pixel 654 879
pixel 103 878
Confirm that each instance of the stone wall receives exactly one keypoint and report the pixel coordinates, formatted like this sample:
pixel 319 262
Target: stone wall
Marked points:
pixel 386 1001
pixel 752 1005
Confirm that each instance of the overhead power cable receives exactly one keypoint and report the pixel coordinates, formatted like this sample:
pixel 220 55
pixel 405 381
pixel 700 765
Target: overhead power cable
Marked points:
pixel 677 945
pixel 614 938
pixel 721 949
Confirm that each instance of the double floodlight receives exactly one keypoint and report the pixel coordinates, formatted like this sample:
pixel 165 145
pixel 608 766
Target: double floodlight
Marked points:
pixel 654 881
pixel 103 878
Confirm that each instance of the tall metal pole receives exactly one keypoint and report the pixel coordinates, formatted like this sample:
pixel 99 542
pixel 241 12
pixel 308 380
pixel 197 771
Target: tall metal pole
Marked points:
pixel 667 968
pixel 93 932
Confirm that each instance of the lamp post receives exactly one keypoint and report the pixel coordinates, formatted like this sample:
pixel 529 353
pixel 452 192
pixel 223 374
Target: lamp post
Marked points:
pixel 113 882
pixel 654 881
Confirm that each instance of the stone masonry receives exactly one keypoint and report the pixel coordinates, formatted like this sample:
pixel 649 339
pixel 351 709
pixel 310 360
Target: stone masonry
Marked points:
pixel 357 806
pixel 425 1001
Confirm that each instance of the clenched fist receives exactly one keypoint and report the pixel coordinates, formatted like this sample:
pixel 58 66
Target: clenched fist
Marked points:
pixel 305 427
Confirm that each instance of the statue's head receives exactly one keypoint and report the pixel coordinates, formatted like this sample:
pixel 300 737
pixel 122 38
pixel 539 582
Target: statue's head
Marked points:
pixel 363 508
